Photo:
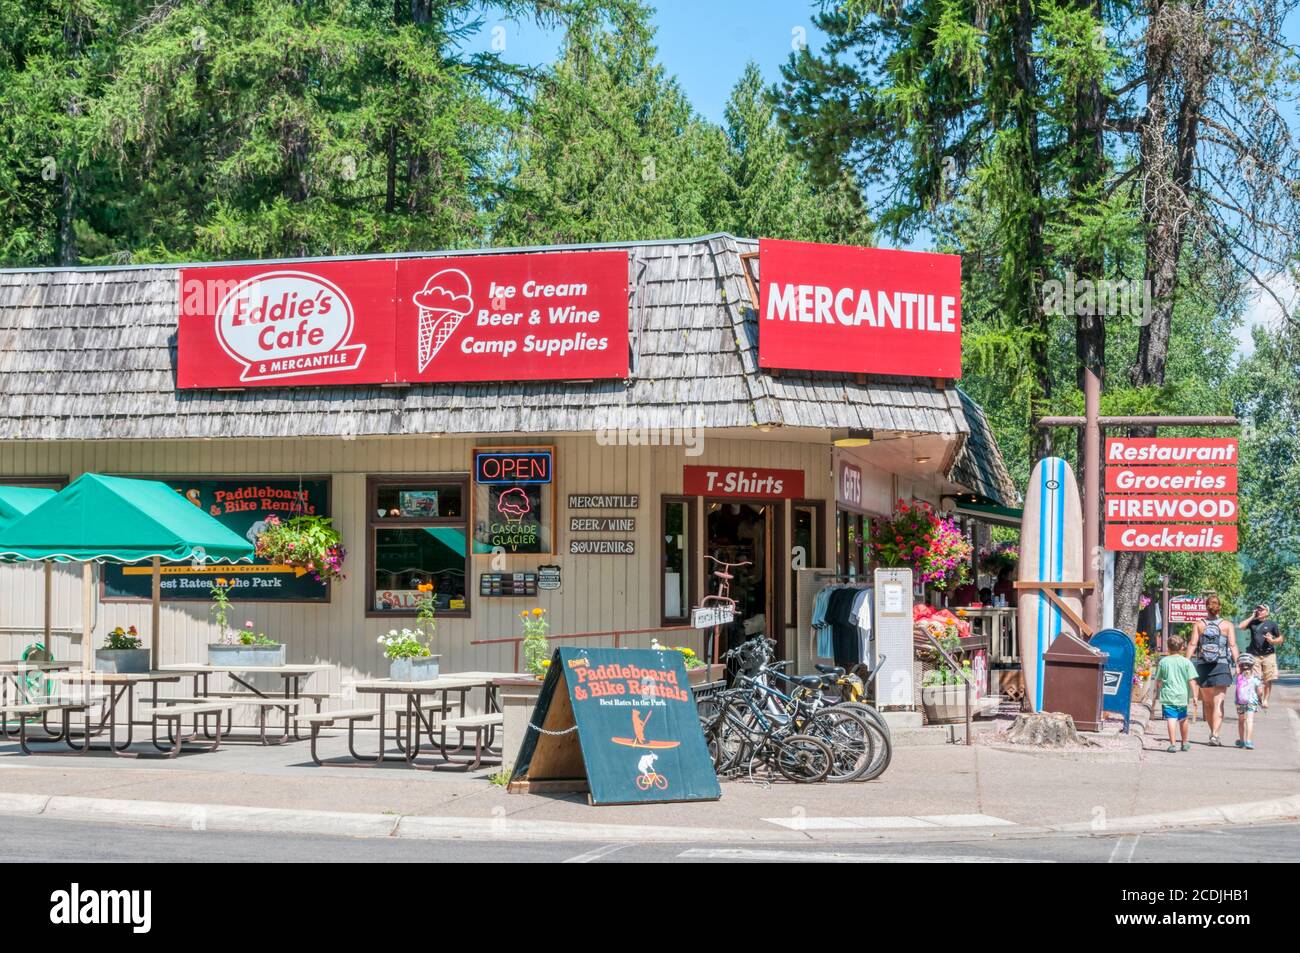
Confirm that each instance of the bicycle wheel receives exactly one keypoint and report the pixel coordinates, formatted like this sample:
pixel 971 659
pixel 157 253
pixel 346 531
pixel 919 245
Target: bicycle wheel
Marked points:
pixel 802 758
pixel 850 738
pixel 883 746
pixel 709 710
pixel 733 736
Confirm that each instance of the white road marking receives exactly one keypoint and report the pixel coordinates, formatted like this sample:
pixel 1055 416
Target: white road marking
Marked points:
pixel 839 857
pixel 888 822
pixel 1124 850
pixel 594 854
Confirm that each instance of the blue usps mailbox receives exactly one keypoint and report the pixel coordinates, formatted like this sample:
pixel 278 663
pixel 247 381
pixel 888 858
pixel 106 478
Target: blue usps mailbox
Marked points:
pixel 1117 676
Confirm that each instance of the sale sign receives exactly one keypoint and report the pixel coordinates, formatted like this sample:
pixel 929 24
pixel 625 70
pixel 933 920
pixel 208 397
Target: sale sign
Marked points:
pixel 742 482
pixel 560 316
pixel 858 310
pixel 1172 450
pixel 323 323
pixel 1171 539
pixel 1171 479
pixel 1172 508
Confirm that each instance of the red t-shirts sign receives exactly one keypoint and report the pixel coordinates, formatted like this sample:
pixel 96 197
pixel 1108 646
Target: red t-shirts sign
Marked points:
pixel 859 310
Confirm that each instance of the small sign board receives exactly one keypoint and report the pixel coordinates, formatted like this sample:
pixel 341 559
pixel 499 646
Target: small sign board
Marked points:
pixel 548 578
pixel 1184 609
pixel 706 617
pixel 620 724
pixel 1117 671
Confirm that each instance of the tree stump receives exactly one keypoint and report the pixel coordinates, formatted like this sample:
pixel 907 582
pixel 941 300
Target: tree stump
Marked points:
pixel 1044 729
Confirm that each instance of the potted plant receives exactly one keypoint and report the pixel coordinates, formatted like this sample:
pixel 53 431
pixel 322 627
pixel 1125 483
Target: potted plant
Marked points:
pixel 697 670
pixel 304 542
pixel 537 650
pixel 241 647
pixel 943 688
pixel 123 652
pixel 409 651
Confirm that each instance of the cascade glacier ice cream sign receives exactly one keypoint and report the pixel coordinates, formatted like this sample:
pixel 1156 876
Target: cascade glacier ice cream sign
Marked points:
pixel 559 316
pixel 858 310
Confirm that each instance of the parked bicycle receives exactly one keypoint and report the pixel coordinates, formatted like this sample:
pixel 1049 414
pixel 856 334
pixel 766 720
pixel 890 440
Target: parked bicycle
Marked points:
pixel 854 731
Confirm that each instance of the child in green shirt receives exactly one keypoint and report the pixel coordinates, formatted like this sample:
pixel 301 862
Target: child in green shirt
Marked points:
pixel 1175 685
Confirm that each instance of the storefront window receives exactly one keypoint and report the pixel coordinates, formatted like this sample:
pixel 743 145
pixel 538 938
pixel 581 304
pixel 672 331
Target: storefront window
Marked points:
pixel 806 531
pixel 418 535
pixel 677 533
pixel 850 542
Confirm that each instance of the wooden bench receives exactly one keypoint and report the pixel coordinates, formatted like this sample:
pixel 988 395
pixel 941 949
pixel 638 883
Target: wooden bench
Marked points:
pixel 172 711
pixel 228 701
pixel 325 719
pixel 65 707
pixel 477 725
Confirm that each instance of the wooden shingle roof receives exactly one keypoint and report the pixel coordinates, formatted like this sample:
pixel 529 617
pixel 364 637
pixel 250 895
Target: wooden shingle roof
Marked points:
pixel 90 354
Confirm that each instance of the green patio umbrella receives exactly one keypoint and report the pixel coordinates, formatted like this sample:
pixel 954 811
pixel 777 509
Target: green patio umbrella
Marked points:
pixel 17 501
pixel 99 518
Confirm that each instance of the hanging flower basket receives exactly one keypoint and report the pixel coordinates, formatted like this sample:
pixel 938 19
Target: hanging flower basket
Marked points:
pixel 917 537
pixel 303 542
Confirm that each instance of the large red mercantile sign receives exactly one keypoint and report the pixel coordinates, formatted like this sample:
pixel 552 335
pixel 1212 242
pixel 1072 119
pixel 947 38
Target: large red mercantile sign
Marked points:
pixel 858 310
pixel 1162 491
pixel 560 316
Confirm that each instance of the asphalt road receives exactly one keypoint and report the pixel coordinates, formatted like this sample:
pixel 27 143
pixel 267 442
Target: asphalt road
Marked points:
pixel 34 839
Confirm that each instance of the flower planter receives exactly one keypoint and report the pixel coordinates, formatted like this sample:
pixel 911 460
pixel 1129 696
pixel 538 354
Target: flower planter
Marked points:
pixel 944 704
pixel 414 669
pixel 246 656
pixel 122 661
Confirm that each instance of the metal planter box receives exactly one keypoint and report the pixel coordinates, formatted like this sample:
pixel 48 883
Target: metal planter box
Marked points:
pixel 414 669
pixel 122 661
pixel 247 656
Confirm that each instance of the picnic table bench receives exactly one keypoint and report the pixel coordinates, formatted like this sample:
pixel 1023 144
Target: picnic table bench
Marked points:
pixel 172 710
pixel 43 708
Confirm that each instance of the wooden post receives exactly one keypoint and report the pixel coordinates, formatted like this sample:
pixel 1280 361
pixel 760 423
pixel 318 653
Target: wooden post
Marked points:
pixel 1164 612
pixel 156 612
pixel 49 608
pixel 87 611
pixel 1092 496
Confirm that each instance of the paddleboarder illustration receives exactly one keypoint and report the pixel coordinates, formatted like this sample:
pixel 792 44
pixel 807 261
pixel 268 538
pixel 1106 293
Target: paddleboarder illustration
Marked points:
pixel 638 739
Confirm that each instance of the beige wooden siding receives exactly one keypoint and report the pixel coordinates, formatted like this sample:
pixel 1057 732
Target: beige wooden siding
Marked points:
pixel 599 593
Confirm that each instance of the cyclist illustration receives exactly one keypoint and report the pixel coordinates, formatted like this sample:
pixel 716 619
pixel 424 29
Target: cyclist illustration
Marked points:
pixel 649 777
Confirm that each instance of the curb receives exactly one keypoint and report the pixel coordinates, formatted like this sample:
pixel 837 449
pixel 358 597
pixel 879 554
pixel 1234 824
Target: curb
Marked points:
pixel 239 819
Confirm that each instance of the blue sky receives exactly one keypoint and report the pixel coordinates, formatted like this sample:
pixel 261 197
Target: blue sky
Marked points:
pixel 706 44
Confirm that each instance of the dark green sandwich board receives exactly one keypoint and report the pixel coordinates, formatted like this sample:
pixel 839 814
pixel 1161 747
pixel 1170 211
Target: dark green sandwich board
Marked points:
pixel 620 724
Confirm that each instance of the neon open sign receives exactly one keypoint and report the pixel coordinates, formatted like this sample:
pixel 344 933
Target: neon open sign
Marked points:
pixel 514 467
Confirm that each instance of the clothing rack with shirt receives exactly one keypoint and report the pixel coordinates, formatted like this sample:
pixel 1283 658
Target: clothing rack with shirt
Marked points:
pixel 842 621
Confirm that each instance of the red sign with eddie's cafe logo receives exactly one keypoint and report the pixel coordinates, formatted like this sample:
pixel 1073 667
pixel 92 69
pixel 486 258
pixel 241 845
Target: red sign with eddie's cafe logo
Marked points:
pixel 556 316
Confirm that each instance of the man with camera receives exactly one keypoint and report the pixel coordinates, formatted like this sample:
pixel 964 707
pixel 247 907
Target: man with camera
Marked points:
pixel 1265 637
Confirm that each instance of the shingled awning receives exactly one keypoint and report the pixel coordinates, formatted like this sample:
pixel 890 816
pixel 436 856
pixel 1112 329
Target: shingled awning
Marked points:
pixel 90 354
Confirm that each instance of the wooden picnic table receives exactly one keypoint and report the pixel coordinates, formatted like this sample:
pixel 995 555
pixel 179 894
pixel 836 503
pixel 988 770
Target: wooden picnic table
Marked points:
pixel 418 717
pixel 291 674
pixel 16 671
pixel 121 686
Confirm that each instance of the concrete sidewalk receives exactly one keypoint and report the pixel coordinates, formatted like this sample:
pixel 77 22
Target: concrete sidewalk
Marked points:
pixel 985 789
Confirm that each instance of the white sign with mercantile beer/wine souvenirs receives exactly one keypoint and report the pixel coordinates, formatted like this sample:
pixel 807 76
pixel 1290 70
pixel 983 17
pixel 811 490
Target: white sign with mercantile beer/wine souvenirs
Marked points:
pixel 706 617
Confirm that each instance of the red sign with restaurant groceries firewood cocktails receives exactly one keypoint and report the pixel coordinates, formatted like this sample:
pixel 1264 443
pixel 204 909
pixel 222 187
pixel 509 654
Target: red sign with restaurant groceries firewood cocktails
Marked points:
pixel 560 316
pixel 1171 494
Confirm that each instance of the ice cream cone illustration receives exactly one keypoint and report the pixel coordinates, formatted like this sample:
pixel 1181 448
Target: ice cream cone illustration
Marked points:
pixel 513 505
pixel 443 304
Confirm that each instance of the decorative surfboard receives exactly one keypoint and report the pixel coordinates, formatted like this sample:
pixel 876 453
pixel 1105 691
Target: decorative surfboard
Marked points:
pixel 1051 550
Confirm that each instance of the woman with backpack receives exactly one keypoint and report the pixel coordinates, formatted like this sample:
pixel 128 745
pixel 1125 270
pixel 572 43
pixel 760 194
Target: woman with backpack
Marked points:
pixel 1213 650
